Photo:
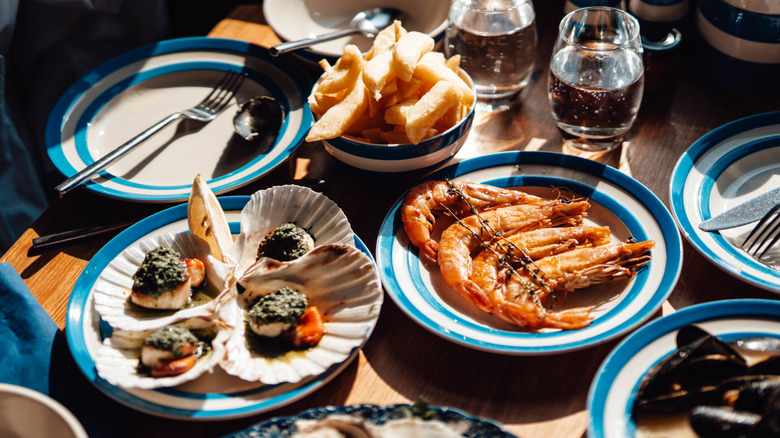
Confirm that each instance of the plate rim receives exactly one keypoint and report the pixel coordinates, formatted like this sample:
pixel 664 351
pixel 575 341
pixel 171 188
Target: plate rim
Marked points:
pixel 633 187
pixel 62 108
pixel 639 339
pixel 80 298
pixel 677 200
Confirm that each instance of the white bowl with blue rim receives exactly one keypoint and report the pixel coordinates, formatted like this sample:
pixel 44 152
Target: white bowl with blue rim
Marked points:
pixel 657 17
pixel 571 5
pixel 615 385
pixel 740 44
pixel 294 20
pixel 397 158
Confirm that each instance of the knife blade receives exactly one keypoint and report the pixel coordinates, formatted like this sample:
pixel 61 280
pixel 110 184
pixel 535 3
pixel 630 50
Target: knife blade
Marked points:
pixel 744 213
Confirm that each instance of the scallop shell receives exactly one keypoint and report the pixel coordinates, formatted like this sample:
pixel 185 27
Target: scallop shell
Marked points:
pixel 275 206
pixel 340 280
pixel 118 358
pixel 112 288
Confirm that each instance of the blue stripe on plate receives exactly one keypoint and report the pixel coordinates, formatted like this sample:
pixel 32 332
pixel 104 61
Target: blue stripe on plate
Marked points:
pixel 76 341
pixel 637 341
pixel 64 105
pixel 741 23
pixel 685 166
pixel 391 226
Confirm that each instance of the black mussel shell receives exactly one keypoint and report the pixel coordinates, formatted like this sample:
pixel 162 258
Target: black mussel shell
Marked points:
pixel 766 367
pixel 750 393
pixel 723 421
pixel 687 377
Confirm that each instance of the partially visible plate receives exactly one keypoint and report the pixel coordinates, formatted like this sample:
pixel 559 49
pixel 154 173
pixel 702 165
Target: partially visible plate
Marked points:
pixel 213 396
pixel 617 200
pixel 122 97
pixel 294 20
pixel 375 414
pixel 724 168
pixel 614 388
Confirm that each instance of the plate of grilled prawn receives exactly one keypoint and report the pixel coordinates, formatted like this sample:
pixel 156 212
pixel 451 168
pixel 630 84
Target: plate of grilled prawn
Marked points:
pixel 529 253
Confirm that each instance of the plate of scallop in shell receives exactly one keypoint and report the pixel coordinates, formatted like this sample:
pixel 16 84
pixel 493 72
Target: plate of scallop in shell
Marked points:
pixel 221 308
pixel 529 253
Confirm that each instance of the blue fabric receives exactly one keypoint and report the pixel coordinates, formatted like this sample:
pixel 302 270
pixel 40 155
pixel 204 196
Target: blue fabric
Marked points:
pixel 27 334
pixel 22 198
pixel 35 355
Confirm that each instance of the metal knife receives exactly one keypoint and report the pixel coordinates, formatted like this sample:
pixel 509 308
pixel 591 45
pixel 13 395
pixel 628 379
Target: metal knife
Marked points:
pixel 745 213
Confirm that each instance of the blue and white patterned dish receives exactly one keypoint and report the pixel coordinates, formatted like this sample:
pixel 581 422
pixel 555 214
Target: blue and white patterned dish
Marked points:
pixel 617 200
pixel 375 414
pixel 614 388
pixel 724 168
pixel 122 97
pixel 740 44
pixel 211 397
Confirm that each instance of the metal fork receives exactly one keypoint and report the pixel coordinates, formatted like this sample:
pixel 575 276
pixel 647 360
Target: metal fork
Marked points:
pixel 205 111
pixel 765 234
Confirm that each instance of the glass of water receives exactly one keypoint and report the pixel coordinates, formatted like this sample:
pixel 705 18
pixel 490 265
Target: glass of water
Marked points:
pixel 596 77
pixel 496 40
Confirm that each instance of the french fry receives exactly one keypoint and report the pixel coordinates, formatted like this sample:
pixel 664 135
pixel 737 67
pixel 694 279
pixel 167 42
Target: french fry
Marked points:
pixel 408 51
pixel 396 114
pixel 453 63
pixel 344 73
pixel 434 104
pixel 340 116
pixel 377 72
pixel 429 70
pixel 385 39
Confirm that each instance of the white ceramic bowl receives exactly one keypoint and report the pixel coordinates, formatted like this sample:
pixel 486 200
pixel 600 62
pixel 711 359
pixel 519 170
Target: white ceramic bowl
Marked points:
pixel 25 413
pixel 740 44
pixel 299 19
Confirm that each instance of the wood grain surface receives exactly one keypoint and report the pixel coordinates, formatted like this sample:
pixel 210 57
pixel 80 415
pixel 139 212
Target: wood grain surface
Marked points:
pixel 534 397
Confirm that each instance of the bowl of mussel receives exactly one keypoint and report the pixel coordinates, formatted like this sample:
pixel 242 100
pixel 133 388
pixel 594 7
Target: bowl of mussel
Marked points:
pixel 400 107
pixel 709 370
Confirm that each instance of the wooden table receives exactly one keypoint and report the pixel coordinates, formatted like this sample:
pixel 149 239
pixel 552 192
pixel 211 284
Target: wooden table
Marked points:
pixel 532 396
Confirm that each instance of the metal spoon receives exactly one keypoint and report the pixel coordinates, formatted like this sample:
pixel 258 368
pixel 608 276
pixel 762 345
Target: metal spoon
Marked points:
pixel 258 117
pixel 368 22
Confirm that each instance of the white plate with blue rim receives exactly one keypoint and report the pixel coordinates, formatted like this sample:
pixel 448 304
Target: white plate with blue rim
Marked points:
pixel 129 93
pixel 724 168
pixel 294 20
pixel 214 396
pixel 617 200
pixel 615 385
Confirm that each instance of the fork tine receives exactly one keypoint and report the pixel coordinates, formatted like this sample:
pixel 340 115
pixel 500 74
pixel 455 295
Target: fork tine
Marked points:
pixel 773 232
pixel 228 86
pixel 218 88
pixel 763 231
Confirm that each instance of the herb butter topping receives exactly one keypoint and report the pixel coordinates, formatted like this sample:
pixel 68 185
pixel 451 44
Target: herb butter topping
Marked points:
pixel 284 305
pixel 161 271
pixel 287 242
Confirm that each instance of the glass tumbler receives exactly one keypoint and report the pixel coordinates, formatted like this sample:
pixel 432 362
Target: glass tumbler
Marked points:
pixel 496 40
pixel 596 77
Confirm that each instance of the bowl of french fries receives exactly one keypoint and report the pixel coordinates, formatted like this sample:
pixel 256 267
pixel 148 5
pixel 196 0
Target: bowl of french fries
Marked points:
pixel 400 107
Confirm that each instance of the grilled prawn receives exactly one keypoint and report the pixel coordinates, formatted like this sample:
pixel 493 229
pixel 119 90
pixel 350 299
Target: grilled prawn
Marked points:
pixel 429 200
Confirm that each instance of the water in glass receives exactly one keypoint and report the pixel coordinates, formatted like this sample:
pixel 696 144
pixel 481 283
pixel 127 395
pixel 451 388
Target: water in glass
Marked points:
pixel 496 40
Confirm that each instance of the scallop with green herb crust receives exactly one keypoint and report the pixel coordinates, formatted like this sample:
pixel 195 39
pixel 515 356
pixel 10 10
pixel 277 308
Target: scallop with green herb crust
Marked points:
pixel 164 280
pixel 276 312
pixel 170 351
pixel 287 242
